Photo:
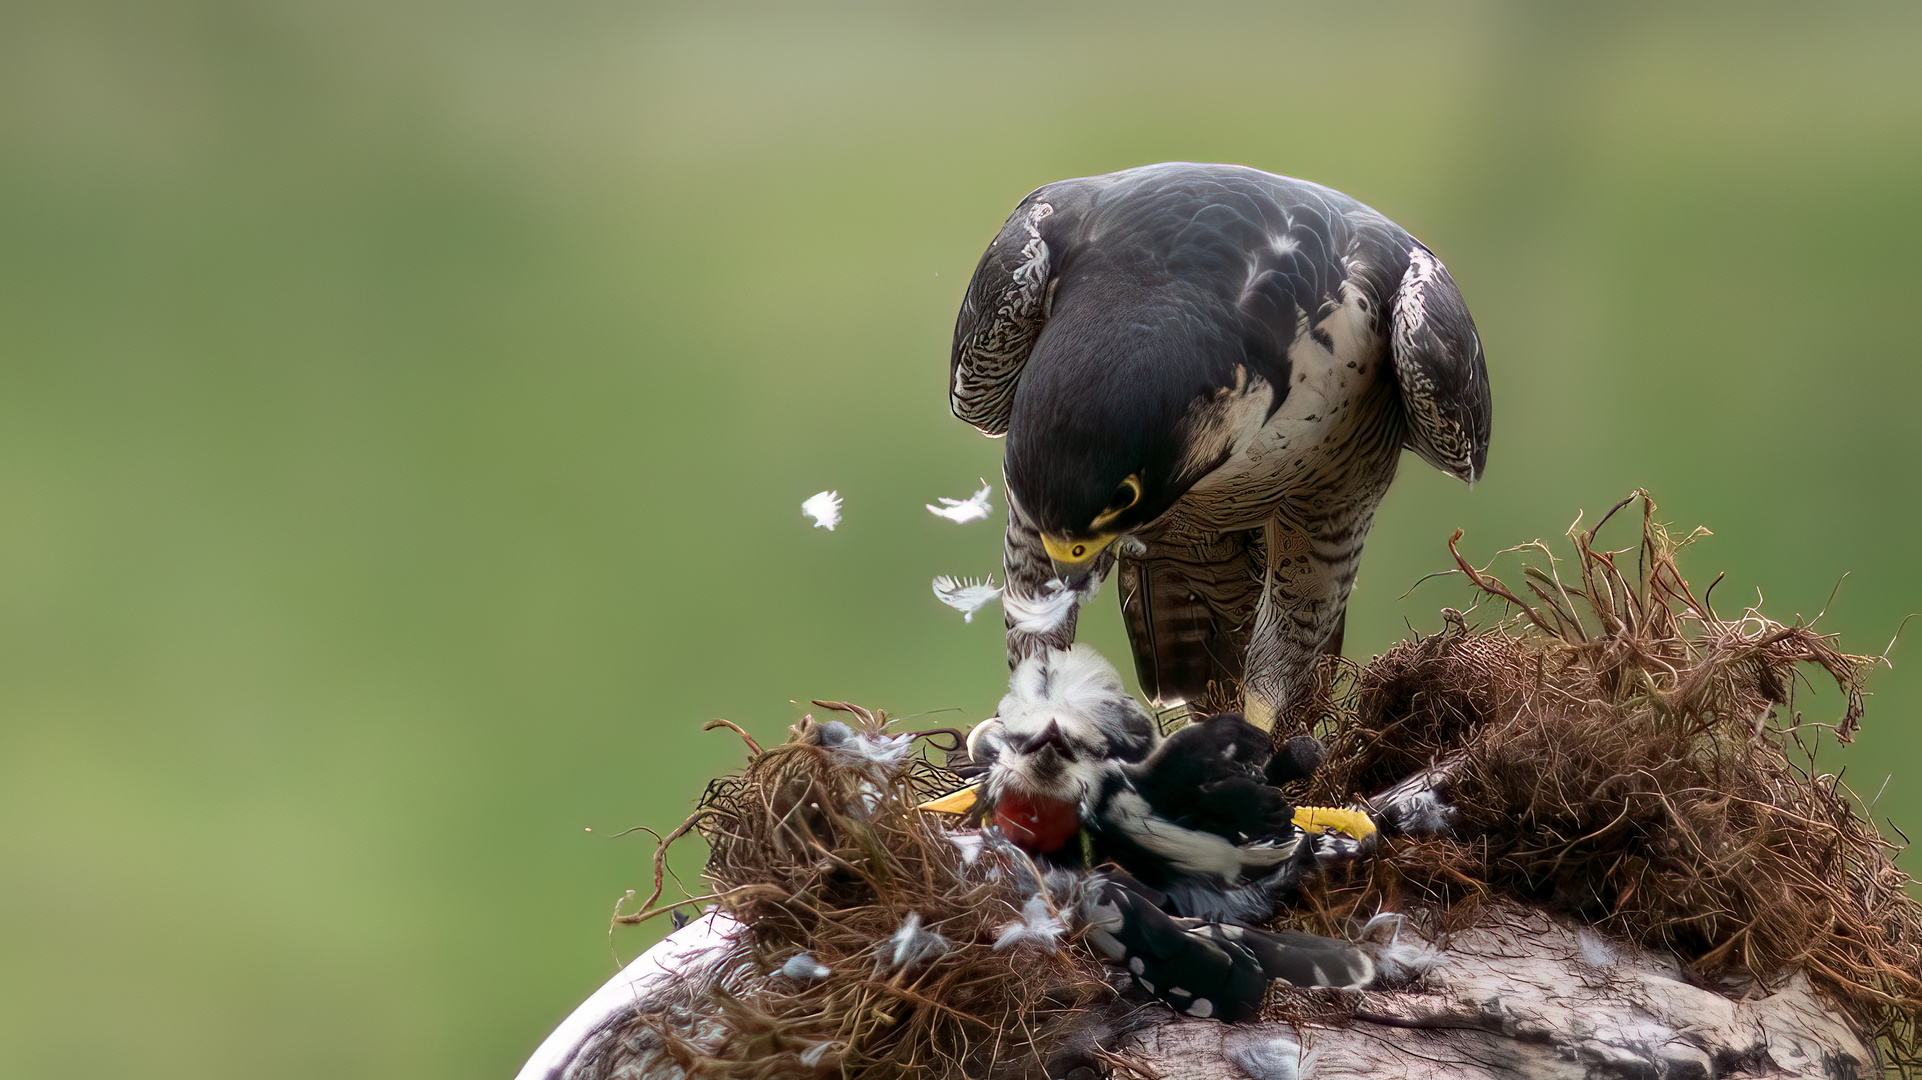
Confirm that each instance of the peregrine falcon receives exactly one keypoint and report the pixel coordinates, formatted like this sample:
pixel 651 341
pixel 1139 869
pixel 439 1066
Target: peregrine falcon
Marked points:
pixel 1206 375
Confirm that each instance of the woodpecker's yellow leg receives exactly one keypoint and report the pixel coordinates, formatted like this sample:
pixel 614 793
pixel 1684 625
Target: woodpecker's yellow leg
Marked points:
pixel 1313 819
pixel 958 802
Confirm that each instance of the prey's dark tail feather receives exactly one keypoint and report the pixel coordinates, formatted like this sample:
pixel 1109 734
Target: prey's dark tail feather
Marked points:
pixel 1209 969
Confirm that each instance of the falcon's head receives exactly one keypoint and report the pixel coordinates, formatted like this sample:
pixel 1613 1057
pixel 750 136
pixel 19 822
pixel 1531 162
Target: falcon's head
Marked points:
pixel 1120 419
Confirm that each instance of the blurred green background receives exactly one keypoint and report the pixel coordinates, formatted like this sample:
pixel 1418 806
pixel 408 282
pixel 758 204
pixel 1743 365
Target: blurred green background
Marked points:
pixel 405 409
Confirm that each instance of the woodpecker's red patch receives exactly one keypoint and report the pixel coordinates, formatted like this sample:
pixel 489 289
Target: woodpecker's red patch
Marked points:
pixel 1036 823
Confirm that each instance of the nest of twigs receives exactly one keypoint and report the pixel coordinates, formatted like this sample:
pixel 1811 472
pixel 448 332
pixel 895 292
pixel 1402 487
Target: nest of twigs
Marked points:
pixel 1618 751
pixel 1615 751
pixel 822 852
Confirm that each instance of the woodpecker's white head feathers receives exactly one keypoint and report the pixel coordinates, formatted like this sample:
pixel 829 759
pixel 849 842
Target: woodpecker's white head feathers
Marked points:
pixel 825 508
pixel 960 511
pixel 1063 727
pixel 965 595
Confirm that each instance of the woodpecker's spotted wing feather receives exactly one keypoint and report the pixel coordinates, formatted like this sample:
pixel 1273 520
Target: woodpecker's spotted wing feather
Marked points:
pixel 1301 959
pixel 1195 973
pixel 1209 969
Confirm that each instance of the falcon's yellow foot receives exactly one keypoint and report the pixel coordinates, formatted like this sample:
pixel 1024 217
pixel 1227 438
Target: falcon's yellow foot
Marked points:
pixel 1355 823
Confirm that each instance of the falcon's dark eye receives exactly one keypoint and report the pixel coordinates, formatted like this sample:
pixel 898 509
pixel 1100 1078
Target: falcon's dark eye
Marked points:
pixel 1080 550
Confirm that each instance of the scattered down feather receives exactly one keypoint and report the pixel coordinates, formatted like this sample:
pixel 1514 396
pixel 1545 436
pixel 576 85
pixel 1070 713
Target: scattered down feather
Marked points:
pixel 865 751
pixel 804 966
pixel 1400 959
pixel 1045 613
pixel 1263 1055
pixel 910 945
pixel 969 844
pixel 825 508
pixel 965 595
pixel 960 511
pixel 1038 927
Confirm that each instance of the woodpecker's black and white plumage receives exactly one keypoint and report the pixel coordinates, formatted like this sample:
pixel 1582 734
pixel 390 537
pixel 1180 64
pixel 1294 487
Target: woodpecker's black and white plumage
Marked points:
pixel 1221 366
pixel 1208 969
pixel 1071 756
pixel 1064 727
pixel 1200 819
pixel 1197 815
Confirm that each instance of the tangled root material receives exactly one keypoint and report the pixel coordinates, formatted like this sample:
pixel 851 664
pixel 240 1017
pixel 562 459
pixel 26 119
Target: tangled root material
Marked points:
pixel 1619 752
pixel 823 857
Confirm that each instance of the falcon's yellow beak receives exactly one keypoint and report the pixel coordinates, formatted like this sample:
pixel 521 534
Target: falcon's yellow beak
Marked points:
pixel 1074 558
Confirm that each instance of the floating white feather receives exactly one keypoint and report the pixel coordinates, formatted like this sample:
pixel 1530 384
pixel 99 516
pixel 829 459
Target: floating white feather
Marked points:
pixel 965 595
pixel 1042 614
pixel 825 508
pixel 960 511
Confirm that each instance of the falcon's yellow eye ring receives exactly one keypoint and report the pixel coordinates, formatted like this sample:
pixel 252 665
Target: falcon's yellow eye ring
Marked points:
pixel 1125 496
